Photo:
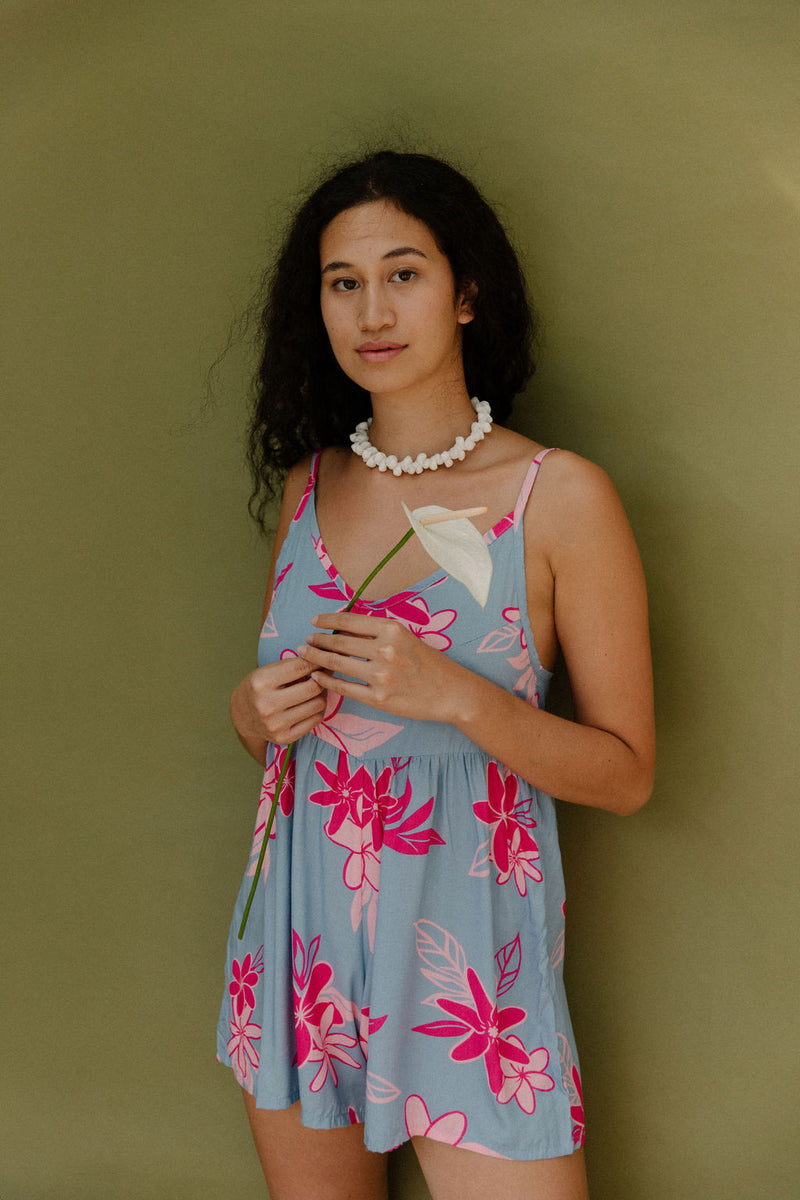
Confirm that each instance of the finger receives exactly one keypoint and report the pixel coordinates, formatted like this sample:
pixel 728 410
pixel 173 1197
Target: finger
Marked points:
pixel 300 689
pixel 349 622
pixel 342 687
pixel 340 643
pixel 285 671
pixel 331 661
pixel 299 720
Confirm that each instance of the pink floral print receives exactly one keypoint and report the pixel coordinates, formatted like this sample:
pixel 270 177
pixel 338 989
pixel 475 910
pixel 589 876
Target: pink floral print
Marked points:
pixel 285 804
pixel 241 1048
pixel 482 1025
pixel 511 847
pixel 472 1020
pixel 510 636
pixel 245 979
pixel 318 1009
pixel 571 1081
pixel 364 817
pixel 522 1079
pixel 449 1128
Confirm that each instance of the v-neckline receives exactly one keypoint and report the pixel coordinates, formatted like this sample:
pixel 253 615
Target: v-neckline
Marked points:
pixel 419 585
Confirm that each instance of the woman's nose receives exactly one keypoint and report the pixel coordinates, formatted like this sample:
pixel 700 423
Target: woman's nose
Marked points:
pixel 376 312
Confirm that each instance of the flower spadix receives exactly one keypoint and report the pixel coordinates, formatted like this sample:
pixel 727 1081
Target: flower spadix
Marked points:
pixel 455 544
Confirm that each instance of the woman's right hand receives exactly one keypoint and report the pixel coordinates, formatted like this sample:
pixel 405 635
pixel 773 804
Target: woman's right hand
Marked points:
pixel 276 703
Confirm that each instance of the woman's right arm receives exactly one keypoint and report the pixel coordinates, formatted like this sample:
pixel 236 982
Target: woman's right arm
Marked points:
pixel 279 702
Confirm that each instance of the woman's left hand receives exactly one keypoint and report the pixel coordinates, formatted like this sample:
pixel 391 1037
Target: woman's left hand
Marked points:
pixel 388 667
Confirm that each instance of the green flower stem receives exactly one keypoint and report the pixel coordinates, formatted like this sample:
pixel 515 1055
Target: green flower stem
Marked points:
pixel 290 747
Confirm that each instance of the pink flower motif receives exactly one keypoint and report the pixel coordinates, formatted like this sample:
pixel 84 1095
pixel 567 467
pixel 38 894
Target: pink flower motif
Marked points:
pixel 331 1046
pixel 576 1112
pixel 243 1054
pixel 502 639
pixel 411 610
pixel 449 1128
pixel 507 815
pixel 285 803
pixel 483 1024
pixel 522 1079
pixel 520 864
pixel 571 1081
pixel 245 979
pixel 311 982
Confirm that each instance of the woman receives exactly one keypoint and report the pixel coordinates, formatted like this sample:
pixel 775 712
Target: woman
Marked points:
pixel 400 972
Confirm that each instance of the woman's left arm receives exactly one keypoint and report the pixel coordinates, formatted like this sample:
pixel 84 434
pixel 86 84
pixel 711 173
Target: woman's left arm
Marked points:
pixel 605 757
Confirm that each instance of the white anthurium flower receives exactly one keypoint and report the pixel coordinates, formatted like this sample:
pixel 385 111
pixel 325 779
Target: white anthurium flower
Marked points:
pixel 456 545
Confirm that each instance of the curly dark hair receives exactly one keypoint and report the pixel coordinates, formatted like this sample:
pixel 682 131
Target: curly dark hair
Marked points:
pixel 303 399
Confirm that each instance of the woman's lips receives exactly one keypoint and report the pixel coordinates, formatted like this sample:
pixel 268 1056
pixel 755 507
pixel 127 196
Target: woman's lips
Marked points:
pixel 379 352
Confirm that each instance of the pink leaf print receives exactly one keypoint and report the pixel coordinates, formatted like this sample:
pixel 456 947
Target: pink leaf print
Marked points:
pixel 499 640
pixel 483 1025
pixel 312 479
pixel 380 1091
pixel 557 953
pixel 351 733
pixel 366 1025
pixel 523 1077
pixel 480 860
pixel 449 1128
pixel 269 628
pixel 447 962
pixel 509 960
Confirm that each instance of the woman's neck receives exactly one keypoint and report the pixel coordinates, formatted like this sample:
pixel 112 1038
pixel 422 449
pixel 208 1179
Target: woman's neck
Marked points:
pixel 413 424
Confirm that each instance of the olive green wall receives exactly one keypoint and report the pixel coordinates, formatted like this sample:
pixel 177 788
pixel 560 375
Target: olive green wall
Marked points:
pixel 646 156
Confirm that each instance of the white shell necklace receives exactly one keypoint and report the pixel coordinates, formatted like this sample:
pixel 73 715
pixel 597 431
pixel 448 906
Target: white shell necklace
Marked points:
pixel 415 466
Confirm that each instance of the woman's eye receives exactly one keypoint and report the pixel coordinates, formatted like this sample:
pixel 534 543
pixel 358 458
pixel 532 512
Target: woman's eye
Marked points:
pixel 404 275
pixel 344 285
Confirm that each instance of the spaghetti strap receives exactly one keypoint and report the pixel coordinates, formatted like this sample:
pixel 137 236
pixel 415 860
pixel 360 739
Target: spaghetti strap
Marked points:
pixel 309 488
pixel 527 485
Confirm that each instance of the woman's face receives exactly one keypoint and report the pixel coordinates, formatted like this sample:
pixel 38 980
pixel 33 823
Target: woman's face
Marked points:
pixel 388 301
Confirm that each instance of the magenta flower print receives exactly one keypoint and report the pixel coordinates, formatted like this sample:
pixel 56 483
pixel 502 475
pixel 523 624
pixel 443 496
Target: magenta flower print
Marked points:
pixel 318 1008
pixel 571 1081
pixel 365 815
pixel 245 979
pixel 332 1047
pixel 241 1048
pixel 523 1078
pixel 449 1128
pixel 520 864
pixel 512 847
pixel 481 1027
pixel 286 800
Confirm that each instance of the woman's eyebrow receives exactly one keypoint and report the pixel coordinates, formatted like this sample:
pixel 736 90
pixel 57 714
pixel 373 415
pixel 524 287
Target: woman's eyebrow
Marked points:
pixel 400 252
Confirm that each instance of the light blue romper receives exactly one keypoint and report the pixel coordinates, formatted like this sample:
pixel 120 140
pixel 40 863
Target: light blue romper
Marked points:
pixel 402 961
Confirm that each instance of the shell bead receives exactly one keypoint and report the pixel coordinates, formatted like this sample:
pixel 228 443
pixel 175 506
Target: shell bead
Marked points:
pixel 361 445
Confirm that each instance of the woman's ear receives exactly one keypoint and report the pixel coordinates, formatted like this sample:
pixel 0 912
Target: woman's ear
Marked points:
pixel 466 302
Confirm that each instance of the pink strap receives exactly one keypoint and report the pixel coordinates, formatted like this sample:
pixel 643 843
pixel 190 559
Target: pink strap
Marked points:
pixel 527 485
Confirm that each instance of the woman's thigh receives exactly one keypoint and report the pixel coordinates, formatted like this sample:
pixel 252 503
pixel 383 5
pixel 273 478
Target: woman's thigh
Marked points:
pixel 314 1164
pixel 454 1174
